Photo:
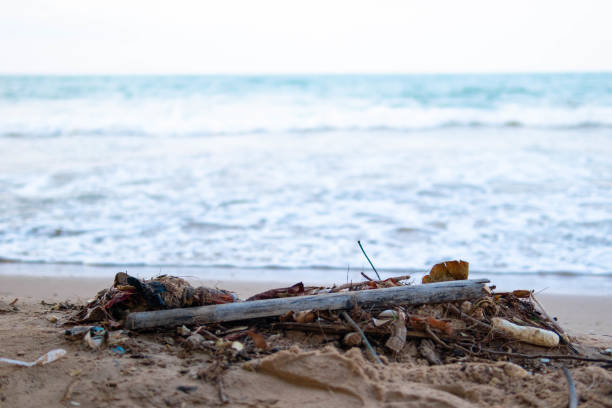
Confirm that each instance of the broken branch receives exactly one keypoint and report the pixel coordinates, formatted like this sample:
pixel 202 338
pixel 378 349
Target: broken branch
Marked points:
pixel 419 294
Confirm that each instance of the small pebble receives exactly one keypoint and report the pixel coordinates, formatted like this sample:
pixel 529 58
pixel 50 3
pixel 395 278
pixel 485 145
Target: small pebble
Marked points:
pixel 352 339
pixel 187 389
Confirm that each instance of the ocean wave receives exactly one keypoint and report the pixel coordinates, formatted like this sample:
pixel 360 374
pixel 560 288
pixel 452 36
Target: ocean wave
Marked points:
pixel 144 185
pixel 280 267
pixel 43 132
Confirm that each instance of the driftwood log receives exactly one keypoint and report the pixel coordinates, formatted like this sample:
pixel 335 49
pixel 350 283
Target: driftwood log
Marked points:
pixel 417 294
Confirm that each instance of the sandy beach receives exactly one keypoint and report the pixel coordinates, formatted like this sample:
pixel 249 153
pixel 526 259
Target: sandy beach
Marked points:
pixel 161 374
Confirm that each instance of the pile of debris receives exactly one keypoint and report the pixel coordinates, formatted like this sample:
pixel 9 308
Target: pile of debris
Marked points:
pixel 446 319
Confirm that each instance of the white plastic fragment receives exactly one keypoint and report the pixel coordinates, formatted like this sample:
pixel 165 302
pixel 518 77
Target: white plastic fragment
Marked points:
pixel 532 335
pixel 384 317
pixel 397 341
pixel 183 331
pixel 388 314
pixel 380 322
pixel 47 358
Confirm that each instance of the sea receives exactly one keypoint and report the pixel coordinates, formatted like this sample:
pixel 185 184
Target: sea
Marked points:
pixel 279 176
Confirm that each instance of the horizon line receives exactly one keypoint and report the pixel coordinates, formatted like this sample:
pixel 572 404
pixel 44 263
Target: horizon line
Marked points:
pixel 303 73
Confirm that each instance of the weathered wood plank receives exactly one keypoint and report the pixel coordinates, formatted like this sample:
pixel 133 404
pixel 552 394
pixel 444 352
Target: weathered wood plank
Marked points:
pixel 417 294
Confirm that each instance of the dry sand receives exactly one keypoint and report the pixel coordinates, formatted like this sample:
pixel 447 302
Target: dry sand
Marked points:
pixel 167 376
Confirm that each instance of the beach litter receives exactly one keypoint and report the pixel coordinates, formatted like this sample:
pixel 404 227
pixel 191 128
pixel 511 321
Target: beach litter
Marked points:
pixel 8 307
pixel 95 337
pixel 447 319
pixel 450 318
pixel 46 358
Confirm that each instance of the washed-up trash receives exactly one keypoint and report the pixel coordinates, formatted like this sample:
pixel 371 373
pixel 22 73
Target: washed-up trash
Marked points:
pixel 47 358
pixel 195 340
pixel 183 331
pixel 446 271
pixel 117 337
pixel 527 334
pixel 427 350
pixel 397 341
pixel 129 294
pixel 305 316
pixel 385 317
pixel 95 337
pixel 444 322
pixel 423 322
pixel 352 339
pixel 295 290
pixel 238 346
pixel 466 307
pixel 187 389
pixel 258 339
pixel 77 332
pixel 7 307
pixel 118 350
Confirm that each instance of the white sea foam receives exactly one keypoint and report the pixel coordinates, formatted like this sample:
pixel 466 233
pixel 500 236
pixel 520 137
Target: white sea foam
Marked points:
pixel 269 176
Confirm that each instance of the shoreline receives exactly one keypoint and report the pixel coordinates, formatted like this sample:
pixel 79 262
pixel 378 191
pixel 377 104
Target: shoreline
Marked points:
pixel 561 283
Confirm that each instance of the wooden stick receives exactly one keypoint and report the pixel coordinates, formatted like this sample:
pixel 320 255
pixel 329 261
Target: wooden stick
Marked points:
pixel 366 276
pixel 418 294
pixel 549 356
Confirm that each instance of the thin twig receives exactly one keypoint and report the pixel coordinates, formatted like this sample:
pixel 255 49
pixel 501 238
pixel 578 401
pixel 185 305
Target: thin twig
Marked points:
pixel 363 336
pixel 207 333
pixel 366 276
pixel 549 356
pixel 371 264
pixel 552 322
pixel 476 321
pixel 555 325
pixel 354 284
pixel 573 398
pixel 435 338
pixel 68 391
pixel 443 344
pixel 221 389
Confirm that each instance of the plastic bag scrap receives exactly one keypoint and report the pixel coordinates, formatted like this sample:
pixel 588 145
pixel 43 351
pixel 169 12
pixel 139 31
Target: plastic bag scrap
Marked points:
pixel 129 294
pixel 47 358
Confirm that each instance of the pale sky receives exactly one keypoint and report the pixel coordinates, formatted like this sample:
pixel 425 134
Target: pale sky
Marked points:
pixel 331 36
